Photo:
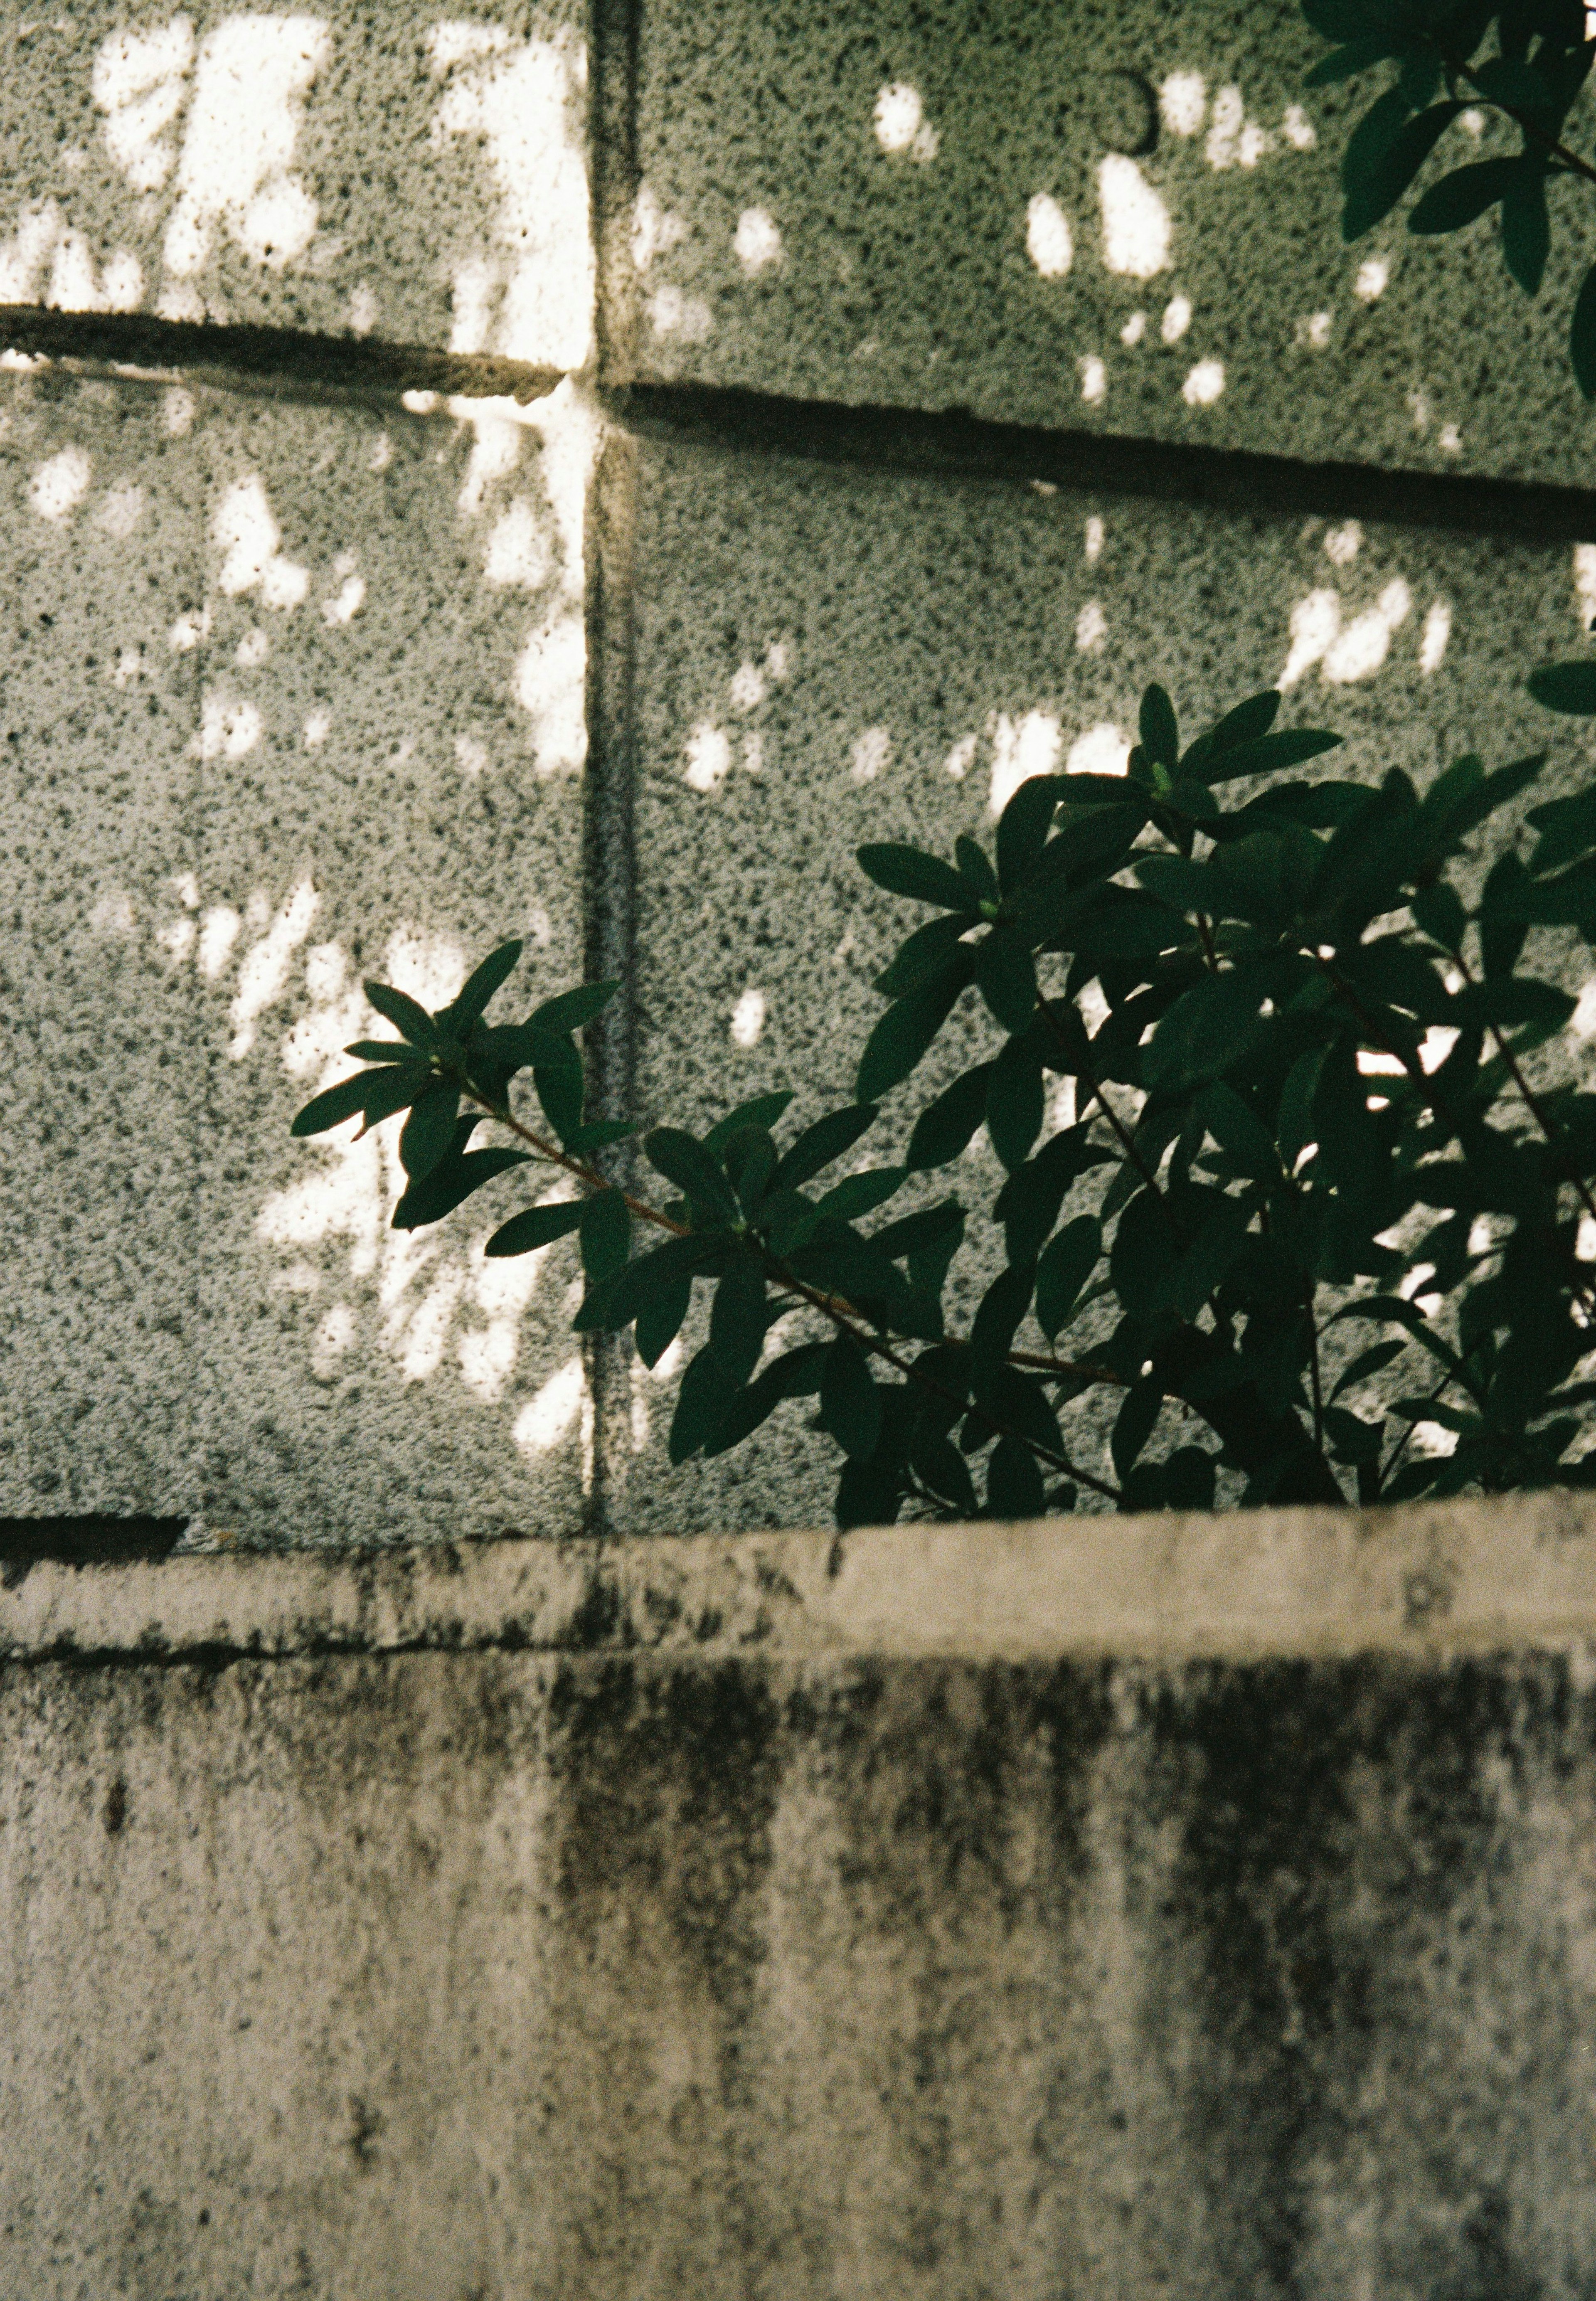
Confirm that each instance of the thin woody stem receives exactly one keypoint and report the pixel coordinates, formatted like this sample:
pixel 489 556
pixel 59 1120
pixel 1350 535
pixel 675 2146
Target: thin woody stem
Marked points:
pixel 1548 142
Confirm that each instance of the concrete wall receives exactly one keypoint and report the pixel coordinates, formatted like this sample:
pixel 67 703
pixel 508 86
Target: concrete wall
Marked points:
pixel 1200 1907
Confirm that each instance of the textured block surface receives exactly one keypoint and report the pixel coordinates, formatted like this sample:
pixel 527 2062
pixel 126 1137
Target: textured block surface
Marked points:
pixel 765 1955
pixel 396 170
pixel 903 204
pixel 828 656
pixel 322 685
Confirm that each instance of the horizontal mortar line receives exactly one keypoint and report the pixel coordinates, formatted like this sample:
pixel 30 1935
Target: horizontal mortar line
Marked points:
pixel 1231 479
pixel 139 339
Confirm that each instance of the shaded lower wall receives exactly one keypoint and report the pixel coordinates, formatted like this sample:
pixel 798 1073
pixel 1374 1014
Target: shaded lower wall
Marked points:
pixel 629 1972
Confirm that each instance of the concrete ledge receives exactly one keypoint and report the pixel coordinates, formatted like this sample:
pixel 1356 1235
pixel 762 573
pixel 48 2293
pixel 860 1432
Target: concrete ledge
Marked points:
pixel 1462 1578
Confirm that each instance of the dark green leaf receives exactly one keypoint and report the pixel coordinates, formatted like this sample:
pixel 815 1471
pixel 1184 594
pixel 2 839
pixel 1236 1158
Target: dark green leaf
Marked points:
pixel 616 1301
pixel 1527 228
pixel 381 1050
pixel 1581 354
pixel 1366 1364
pixel 857 1195
pixel 818 1145
pixel 598 1133
pixel 570 1009
pixel 1569 686
pixel 1463 195
pixel 850 1407
pixel 937 1464
pixel 535 1226
pixel 1014 1482
pixel 740 1319
pixel 1353 1439
pixel 923 878
pixel 557 1076
pixel 976 869
pixel 606 1233
pixel 1438 914
pixel 1133 1424
pixel 762 1112
pixel 1014 1101
pixel 1267 755
pixel 1006 978
pixel 1189 1479
pixel 945 1126
pixel 1502 927
pixel 1067 1264
pixel 429 1130
pixel 375 1094
pixel 1208 1028
pixel 403 1013
pixel 659 1321
pixel 1384 153
pixel 795 1376
pixel 676 1155
pixel 997 1322
pixel 868 1493
pixel 920 957
pixel 705 1398
pixel 1346 62
pixel 906 1030
pixel 450 1183
pixel 1023 828
pixel 481 983
pixel 1160 737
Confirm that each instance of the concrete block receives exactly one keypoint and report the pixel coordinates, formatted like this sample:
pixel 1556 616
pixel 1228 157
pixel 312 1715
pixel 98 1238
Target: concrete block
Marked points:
pixel 693 1918
pixel 373 623
pixel 1104 217
pixel 400 173
pixel 827 655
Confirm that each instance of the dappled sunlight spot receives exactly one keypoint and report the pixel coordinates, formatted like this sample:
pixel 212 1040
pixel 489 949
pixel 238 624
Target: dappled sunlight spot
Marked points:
pixel 1093 540
pixel 228 728
pixel 1584 584
pixel 672 314
pixel 1297 129
pixel 709 758
pixel 756 243
pixel 1021 749
pixel 1360 649
pixel 1134 329
pixel 1342 544
pixel 316 730
pixel 426 1337
pixel 219 930
pixel 549 682
pixel 961 759
pixel 1177 320
pixel 1582 1023
pixel 547 1417
pixel 870 754
pixel 654 229
pixel 1182 99
pixel 1205 383
pixel 517 552
pixel 346 602
pixel 23 256
pixel 245 532
pixel 901 127
pixel 1433 641
pixel 1101 751
pixel 114 915
pixel 120 509
pixel 1313 331
pixel 1094 380
pixel 1451 442
pixel 747 1019
pixel 1092 628
pixel 264 974
pixel 747 690
pixel 74 288
pixel 1224 129
pixel 188 630
pixel 1371 278
pixel 1314 624
pixel 252 650
pixel 335 1337
pixel 60 484
pixel 176 939
pixel 138 81
pixel 532 298
pixel 1136 225
pixel 1047 240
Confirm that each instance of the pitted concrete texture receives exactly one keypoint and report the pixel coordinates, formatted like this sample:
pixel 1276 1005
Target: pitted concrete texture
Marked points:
pixel 906 205
pixel 400 172
pixel 819 1963
pixel 324 680
pixel 827 656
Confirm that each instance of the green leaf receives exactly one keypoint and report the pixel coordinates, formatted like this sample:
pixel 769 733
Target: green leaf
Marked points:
pixel 1582 348
pixel 705 1398
pixel 857 1195
pixel 1268 754
pixel 535 1226
pixel 1014 1101
pixel 1502 927
pixel 997 1321
pixel 1006 977
pixel 1208 1028
pixel 1067 1264
pixel 1023 828
pixel 1527 228
pixel 1346 62
pixel 797 1375
pixel 1160 737
pixel 1466 193
pixel 850 1408
pixel 923 878
pixel 762 1112
pixel 1438 912
pixel 570 1009
pixel 659 1321
pixel 683 1160
pixel 1568 687
pixel 867 1494
pixel 975 870
pixel 1133 1424
pixel 616 1301
pixel 1566 828
pixel 606 1233
pixel 374 1095
pixel 1189 1479
pixel 452 1182
pixel 598 1133
pixel 918 958
pixel 403 1014
pixel 740 1319
pixel 1384 153
pixel 1239 1132
pixel 1365 1365
pixel 1242 724
pixel 937 1464
pixel 944 1128
pixel 906 1031
pixel 1353 1439
pixel 481 983
pixel 429 1132
pixel 818 1145
pixel 381 1050
pixel 1014 1482
pixel 557 1076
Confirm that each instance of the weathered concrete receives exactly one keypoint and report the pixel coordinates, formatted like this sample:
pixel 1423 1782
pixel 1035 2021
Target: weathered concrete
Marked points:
pixel 290 694
pixel 911 205
pixel 1203 1907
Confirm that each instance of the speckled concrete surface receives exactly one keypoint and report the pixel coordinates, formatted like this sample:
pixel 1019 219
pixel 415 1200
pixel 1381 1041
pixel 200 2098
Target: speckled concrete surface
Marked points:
pixel 924 206
pixel 316 711
pixel 827 655
pixel 769 1963
pixel 403 173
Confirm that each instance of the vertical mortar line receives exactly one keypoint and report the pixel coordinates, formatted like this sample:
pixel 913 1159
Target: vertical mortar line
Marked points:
pixel 609 836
